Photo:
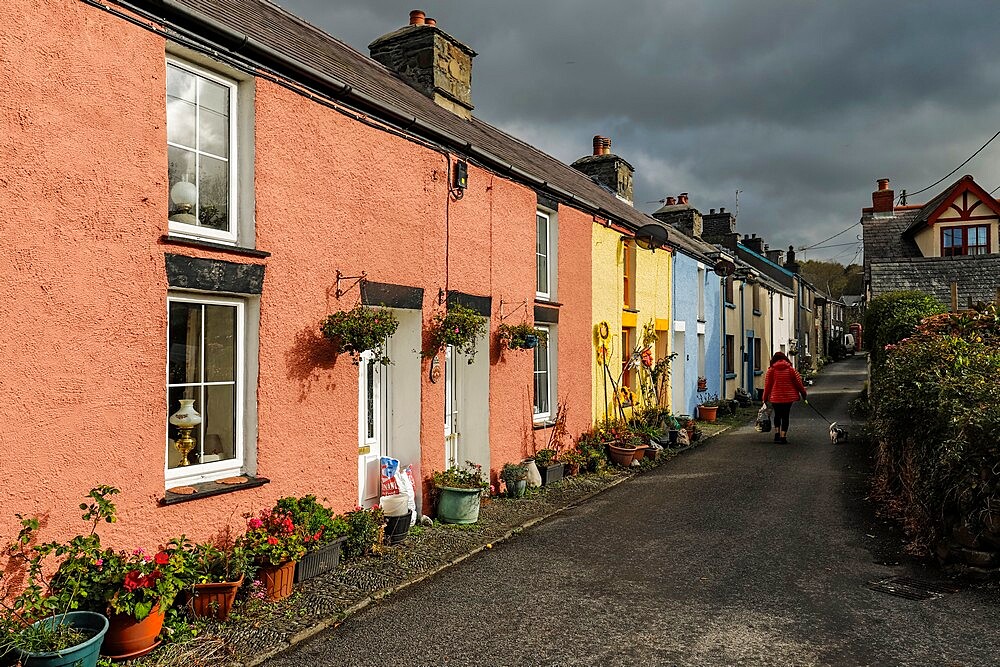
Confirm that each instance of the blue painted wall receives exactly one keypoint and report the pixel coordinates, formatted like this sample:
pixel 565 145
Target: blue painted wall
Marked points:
pixel 685 309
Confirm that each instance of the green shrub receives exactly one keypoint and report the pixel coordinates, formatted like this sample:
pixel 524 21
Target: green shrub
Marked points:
pixel 891 317
pixel 935 412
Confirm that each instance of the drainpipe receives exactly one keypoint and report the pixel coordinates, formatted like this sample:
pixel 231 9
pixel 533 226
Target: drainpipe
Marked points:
pixel 743 331
pixel 722 361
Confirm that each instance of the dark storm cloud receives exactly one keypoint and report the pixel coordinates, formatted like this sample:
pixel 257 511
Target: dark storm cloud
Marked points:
pixel 798 104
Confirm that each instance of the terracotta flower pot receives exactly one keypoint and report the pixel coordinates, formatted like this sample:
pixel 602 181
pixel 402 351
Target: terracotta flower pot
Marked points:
pixel 214 600
pixel 129 638
pixel 640 453
pixel 706 413
pixel 277 579
pixel 621 456
pixel 571 469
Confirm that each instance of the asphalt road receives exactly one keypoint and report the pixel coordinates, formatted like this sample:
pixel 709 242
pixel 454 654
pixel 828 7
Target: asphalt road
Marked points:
pixel 740 552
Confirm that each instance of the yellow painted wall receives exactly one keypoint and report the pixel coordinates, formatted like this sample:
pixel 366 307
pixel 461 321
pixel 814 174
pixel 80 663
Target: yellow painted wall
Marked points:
pixel 652 301
pixel 607 266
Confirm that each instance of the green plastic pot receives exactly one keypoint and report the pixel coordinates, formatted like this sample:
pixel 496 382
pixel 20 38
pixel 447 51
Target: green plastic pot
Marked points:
pixel 81 655
pixel 458 505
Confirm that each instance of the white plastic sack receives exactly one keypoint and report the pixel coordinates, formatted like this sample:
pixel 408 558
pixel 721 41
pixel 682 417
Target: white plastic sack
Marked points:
pixel 406 488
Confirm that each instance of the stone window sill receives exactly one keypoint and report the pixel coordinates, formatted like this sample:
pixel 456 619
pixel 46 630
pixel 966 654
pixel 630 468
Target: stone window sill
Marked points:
pixel 730 376
pixel 209 489
pixel 538 426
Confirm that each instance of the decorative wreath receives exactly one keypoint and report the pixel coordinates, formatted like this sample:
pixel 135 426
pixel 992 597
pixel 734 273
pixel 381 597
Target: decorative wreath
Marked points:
pixel 603 343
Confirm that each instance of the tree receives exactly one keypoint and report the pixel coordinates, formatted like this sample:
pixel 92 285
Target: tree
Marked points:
pixel 834 277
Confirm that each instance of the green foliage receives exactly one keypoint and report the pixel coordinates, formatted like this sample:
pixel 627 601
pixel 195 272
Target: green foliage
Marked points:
pixel 513 472
pixel 545 457
pixel 935 412
pixel 364 531
pixel 710 400
pixel 206 563
pixel 519 336
pixel 469 476
pixel 317 521
pixel 891 317
pixel 834 276
pixel 459 327
pixel 361 329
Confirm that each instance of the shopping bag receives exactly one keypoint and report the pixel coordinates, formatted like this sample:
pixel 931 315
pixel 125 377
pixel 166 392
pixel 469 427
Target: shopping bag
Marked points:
pixel 763 422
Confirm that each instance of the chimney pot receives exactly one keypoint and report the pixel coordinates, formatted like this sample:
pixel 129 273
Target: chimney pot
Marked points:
pixel 671 201
pixel 682 198
pixel 722 210
pixel 711 211
pixel 598 145
pixel 753 236
pixel 883 199
pixel 417 17
pixel 430 21
pixel 883 184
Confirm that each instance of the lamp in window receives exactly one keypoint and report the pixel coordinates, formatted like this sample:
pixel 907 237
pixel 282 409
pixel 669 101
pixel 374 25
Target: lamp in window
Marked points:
pixel 185 419
pixel 184 195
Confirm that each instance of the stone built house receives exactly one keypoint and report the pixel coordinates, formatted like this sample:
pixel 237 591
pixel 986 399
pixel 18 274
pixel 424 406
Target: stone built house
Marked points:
pixel 186 222
pixel 947 247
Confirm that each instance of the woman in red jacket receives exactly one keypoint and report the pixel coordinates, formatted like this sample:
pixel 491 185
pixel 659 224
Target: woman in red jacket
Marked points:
pixel 782 387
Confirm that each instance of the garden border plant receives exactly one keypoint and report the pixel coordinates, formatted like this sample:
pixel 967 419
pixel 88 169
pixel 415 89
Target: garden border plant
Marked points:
pixel 361 329
pixel 459 327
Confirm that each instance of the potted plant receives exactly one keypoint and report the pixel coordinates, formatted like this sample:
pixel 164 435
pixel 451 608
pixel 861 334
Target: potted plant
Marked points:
pixel 702 384
pixel 708 408
pixel 361 329
pixel 515 476
pixel 365 528
pixel 620 442
pixel 459 327
pixel 323 532
pixel 521 336
pixel 573 460
pixel 214 572
pixel 550 469
pixel 39 623
pixel 275 544
pixel 459 492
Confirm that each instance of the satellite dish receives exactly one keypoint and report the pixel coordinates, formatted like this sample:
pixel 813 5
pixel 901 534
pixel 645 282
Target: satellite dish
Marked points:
pixel 651 237
pixel 724 268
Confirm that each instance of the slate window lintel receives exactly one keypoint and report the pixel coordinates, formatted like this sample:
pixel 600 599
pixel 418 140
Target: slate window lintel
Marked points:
pixel 482 305
pixel 213 275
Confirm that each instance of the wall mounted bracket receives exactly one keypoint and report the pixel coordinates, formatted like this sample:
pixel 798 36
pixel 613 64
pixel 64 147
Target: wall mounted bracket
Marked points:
pixel 342 278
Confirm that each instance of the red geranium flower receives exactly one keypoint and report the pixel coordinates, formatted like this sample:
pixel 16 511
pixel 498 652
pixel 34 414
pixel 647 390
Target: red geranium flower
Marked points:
pixel 272 539
pixel 133 580
pixel 162 558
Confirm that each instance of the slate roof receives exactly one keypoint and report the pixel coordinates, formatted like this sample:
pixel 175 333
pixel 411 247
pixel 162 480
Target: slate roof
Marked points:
pixel 977 276
pixel 268 27
pixel 884 240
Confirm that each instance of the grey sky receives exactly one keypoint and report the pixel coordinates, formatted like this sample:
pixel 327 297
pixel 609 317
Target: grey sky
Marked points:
pixel 800 104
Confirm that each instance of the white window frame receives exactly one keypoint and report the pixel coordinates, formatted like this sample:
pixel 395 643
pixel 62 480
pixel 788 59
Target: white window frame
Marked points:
pixel 197 231
pixel 701 294
pixel 543 416
pixel 547 294
pixel 206 472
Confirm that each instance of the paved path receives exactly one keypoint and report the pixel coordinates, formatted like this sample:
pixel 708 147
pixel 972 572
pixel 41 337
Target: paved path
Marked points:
pixel 740 552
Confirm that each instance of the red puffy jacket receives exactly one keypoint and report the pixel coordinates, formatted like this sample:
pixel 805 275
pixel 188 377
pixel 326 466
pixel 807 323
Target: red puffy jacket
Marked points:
pixel 783 384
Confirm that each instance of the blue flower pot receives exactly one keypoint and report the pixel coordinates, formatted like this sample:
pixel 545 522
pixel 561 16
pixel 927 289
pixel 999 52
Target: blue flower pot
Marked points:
pixel 530 341
pixel 81 655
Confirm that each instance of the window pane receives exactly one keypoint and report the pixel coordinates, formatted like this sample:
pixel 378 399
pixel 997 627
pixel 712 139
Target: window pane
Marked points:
pixel 180 83
pixel 219 423
pixel 542 253
pixel 948 239
pixel 214 96
pixel 370 399
pixel 541 380
pixel 174 396
pixel 220 343
pixel 542 266
pixel 213 133
pixel 180 122
pixel 213 193
pixel 184 343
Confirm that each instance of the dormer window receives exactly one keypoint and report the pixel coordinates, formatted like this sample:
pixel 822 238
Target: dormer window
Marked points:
pixel 971 240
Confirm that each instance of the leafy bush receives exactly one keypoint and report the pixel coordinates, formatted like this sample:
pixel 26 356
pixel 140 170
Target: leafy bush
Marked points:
pixel 935 411
pixel 459 327
pixel 314 518
pixel 361 329
pixel 365 531
pixel 892 317
pixel 469 476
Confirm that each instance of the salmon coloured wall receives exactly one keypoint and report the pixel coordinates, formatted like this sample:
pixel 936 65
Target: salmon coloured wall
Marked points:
pixel 84 287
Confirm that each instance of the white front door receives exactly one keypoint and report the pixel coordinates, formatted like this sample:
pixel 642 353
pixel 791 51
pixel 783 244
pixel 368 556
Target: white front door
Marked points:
pixel 451 430
pixel 373 412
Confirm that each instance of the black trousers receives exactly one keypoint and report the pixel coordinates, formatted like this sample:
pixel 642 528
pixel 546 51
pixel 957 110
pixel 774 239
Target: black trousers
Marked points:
pixel 781 411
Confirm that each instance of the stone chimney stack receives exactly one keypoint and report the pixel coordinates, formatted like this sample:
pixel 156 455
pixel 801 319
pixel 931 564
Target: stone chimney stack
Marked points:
pixel 607 169
pixel 777 256
pixel 681 215
pixel 755 243
pixel 430 60
pixel 883 199
pixel 790 262
pixel 719 228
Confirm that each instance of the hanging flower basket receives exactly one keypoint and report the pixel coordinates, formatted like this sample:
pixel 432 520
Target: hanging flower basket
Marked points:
pixel 459 327
pixel 521 336
pixel 359 330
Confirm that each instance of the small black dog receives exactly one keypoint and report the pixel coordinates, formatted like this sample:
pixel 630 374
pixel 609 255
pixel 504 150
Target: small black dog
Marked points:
pixel 838 434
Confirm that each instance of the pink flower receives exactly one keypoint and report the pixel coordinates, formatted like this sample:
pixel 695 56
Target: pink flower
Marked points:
pixel 99 562
pixel 139 552
pixel 255 523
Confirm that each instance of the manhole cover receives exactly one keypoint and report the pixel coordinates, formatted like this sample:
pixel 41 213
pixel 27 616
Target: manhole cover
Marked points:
pixel 912 589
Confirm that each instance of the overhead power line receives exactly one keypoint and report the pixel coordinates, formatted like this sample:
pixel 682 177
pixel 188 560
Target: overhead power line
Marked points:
pixel 967 161
pixel 810 247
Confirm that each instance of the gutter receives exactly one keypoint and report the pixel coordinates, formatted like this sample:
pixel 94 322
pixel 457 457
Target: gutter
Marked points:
pixel 342 91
